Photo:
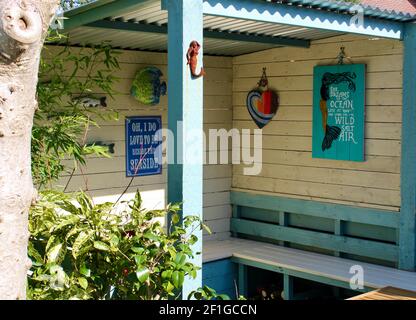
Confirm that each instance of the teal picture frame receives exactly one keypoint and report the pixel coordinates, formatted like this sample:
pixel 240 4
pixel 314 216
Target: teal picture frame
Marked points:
pixel 338 122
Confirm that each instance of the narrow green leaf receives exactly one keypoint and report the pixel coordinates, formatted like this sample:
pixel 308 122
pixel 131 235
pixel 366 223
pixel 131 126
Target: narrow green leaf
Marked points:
pixel 99 245
pixel 80 241
pixel 175 218
pixel 206 228
pixel 54 253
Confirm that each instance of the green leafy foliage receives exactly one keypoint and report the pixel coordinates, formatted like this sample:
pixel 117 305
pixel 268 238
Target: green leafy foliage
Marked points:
pixel 61 123
pixel 207 293
pixel 82 250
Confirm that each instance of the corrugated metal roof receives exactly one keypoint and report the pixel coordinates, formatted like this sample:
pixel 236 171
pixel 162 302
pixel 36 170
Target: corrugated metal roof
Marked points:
pixel 371 8
pixel 400 6
pixel 158 42
pixel 150 13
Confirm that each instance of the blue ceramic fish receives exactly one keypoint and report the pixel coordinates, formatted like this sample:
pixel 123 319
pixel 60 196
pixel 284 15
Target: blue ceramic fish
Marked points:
pixel 147 86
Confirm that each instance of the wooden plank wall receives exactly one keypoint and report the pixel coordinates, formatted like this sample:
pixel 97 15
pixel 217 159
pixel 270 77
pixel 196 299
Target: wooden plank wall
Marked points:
pixel 288 167
pixel 105 178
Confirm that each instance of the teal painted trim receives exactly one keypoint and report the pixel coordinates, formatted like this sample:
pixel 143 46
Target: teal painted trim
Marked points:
pixel 284 222
pixel 321 240
pixel 185 120
pixel 221 276
pixel 298 274
pixel 258 215
pixel 287 287
pixel 86 7
pixel 236 211
pixel 407 230
pixel 338 231
pixel 283 218
pixel 242 280
pixel 317 209
pixel 219 267
pixel 128 26
pixel 231 36
pixel 97 11
pixel 269 12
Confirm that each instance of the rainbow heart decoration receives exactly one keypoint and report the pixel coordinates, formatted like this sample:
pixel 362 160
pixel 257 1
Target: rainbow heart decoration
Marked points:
pixel 262 106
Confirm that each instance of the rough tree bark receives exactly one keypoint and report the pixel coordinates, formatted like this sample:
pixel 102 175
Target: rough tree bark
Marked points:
pixel 23 27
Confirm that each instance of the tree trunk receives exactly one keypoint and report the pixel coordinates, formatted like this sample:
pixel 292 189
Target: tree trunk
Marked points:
pixel 23 27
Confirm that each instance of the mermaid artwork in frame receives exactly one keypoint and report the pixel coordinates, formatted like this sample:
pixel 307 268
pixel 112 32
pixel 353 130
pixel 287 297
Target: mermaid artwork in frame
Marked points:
pixel 339 112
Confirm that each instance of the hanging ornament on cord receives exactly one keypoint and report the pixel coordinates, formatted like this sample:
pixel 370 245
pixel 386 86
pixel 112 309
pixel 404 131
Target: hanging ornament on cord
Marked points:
pixel 262 103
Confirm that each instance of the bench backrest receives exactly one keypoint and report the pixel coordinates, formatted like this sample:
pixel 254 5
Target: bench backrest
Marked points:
pixel 358 233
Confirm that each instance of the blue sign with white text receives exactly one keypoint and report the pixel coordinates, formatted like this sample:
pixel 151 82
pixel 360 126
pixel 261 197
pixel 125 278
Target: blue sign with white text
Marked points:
pixel 143 146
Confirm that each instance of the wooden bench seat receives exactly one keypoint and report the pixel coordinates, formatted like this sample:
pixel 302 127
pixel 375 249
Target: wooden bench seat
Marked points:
pixel 388 293
pixel 306 265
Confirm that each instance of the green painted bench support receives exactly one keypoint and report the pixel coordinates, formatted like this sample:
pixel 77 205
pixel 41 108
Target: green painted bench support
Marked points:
pixel 339 231
pixel 242 280
pixel 287 287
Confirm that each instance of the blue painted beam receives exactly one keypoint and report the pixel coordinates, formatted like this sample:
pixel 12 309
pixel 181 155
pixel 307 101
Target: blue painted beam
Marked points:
pixel 258 38
pixel 317 209
pixel 128 26
pixel 259 10
pixel 407 230
pixel 232 36
pixel 185 120
pixel 98 10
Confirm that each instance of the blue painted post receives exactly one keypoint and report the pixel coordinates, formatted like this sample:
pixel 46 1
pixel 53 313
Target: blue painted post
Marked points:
pixel 407 230
pixel 185 119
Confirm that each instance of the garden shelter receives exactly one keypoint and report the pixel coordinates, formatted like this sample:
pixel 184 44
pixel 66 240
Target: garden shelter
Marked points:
pixel 301 217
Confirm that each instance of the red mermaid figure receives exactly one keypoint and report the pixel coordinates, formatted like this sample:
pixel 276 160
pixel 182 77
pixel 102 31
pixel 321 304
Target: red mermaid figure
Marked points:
pixel 192 57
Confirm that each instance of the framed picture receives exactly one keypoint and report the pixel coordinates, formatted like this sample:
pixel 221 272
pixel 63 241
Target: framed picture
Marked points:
pixel 339 112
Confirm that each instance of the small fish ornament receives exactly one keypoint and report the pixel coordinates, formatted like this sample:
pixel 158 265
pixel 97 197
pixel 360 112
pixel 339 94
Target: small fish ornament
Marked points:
pixel 91 102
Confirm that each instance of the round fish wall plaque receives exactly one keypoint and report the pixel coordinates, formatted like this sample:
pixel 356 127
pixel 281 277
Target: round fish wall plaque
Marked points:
pixel 147 86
